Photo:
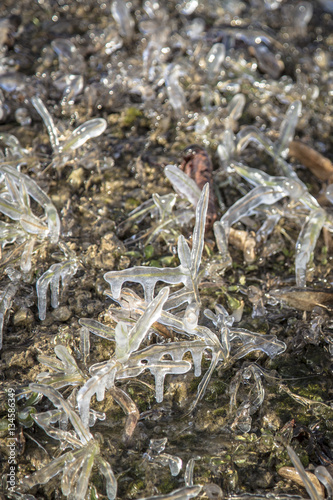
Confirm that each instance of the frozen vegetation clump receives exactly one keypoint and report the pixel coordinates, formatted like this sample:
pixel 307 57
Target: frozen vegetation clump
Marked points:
pixel 17 191
pixel 269 190
pixel 63 149
pixel 181 150
pixel 130 359
pixel 74 466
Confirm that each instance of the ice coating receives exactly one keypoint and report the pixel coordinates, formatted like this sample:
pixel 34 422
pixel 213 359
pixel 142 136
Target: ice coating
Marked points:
pixel 175 92
pixel 49 123
pixel 38 195
pixel 183 184
pixel 303 15
pixel 150 71
pixel 51 277
pixel 85 132
pixel 186 273
pixel 287 129
pixel 123 18
pixel 325 478
pixel 215 59
pixel 306 243
pixel 246 206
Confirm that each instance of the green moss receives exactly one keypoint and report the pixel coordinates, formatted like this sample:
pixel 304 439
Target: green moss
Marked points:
pixel 131 204
pixel 167 485
pixel 220 412
pixel 129 116
pixel 149 251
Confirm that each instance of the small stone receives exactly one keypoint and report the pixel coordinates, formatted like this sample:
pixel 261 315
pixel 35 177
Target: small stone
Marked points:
pixel 23 317
pixel 265 478
pixel 62 314
pixel 76 178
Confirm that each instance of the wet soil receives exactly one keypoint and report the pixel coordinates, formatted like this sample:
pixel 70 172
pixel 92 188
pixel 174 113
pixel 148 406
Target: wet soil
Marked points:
pixel 96 189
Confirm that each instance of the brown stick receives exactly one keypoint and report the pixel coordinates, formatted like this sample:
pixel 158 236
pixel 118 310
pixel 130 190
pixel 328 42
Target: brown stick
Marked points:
pixel 318 164
pixel 198 165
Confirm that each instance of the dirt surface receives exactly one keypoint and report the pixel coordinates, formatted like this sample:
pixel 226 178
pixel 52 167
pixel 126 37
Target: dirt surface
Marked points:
pixel 96 187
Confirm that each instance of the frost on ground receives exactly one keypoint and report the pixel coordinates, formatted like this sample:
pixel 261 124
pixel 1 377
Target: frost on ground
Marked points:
pixel 165 184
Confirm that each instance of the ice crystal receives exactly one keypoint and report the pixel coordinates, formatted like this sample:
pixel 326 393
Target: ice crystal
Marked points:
pixel 156 453
pixel 74 466
pixel 63 270
pixel 6 298
pixel 186 273
pixel 63 148
pixel 26 228
pixel 65 369
pixel 287 186
pixel 128 361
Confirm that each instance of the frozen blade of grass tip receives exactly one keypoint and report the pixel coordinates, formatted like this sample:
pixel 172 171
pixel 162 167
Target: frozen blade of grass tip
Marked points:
pixel 129 407
pixel 69 363
pixel 84 343
pixel 246 206
pixel 5 303
pixel 183 184
pixel 326 479
pixel 175 92
pixel 236 106
pixel 251 133
pixel 222 243
pixel 40 197
pixel 82 134
pixel 25 261
pixel 56 398
pixel 215 58
pixel 110 479
pixel 188 478
pixel 151 314
pixel 312 492
pixel 292 185
pixel 122 338
pixel 181 494
pixel 123 18
pixel 43 475
pixel 13 144
pixel 33 225
pixel 10 209
pixel 306 243
pixel 98 328
pixel 53 363
pixel 47 119
pixel 103 378
pixel 198 240
pixel 13 191
pixel 287 129
pixel 87 463
pixel 269 344
pixel 178 298
pixel 70 474
pixel 184 252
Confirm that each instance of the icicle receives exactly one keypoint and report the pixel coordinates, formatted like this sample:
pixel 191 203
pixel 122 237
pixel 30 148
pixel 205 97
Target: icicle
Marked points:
pixel 123 18
pixel 215 59
pixel 306 243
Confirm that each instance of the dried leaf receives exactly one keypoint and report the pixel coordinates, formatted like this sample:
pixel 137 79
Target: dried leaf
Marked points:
pixel 304 299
